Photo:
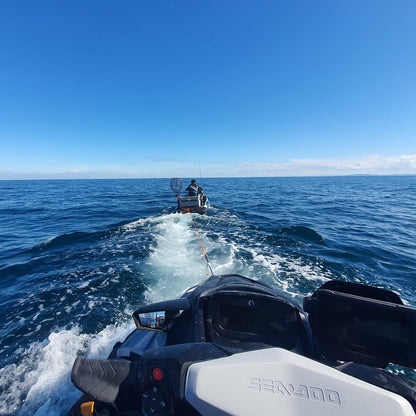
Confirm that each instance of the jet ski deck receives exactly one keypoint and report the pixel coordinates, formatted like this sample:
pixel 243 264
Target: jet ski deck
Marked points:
pixel 232 345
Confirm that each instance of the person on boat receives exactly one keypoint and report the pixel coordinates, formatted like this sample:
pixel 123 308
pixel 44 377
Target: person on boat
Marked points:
pixel 193 188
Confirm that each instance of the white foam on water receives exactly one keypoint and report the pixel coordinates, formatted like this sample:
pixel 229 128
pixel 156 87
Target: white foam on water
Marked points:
pixel 40 383
pixel 84 284
pixel 224 262
pixel 176 260
pixel 292 269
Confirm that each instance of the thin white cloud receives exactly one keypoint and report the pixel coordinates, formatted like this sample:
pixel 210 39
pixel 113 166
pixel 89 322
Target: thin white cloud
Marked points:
pixel 367 165
pixel 372 165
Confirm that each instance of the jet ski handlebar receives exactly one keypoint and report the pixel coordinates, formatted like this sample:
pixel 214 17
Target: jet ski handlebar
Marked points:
pixel 157 379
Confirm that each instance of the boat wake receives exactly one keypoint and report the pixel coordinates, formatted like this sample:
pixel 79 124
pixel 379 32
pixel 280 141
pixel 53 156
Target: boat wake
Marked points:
pixel 148 259
pixel 89 284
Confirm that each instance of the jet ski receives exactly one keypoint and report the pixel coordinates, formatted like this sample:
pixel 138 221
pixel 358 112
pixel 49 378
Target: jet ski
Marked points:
pixel 189 203
pixel 234 346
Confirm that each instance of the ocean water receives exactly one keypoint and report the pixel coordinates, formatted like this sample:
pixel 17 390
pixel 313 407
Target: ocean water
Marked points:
pixel 78 257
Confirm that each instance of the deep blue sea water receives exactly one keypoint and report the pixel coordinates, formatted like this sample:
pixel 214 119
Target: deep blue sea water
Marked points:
pixel 78 257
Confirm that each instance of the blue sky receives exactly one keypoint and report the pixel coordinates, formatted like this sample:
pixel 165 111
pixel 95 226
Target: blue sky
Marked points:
pixel 109 89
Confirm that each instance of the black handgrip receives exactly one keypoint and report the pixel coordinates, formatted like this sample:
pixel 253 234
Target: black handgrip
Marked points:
pixel 103 380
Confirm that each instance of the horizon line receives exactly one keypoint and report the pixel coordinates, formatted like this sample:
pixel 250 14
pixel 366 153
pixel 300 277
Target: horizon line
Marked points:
pixel 209 177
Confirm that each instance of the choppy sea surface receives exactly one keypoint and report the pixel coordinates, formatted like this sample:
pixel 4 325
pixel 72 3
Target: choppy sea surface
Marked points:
pixel 78 257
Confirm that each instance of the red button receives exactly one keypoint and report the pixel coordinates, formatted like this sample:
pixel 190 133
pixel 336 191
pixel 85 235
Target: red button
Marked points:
pixel 157 374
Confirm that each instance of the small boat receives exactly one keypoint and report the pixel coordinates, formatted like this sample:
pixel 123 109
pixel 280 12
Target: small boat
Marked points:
pixel 234 346
pixel 196 202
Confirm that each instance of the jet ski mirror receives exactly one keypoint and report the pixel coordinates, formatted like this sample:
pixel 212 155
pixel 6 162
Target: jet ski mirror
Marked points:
pixel 160 316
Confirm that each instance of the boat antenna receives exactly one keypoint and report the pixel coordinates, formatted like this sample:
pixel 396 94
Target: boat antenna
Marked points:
pixel 200 242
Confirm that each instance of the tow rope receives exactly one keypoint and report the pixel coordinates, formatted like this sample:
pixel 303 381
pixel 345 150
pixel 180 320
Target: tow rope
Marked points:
pixel 200 242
